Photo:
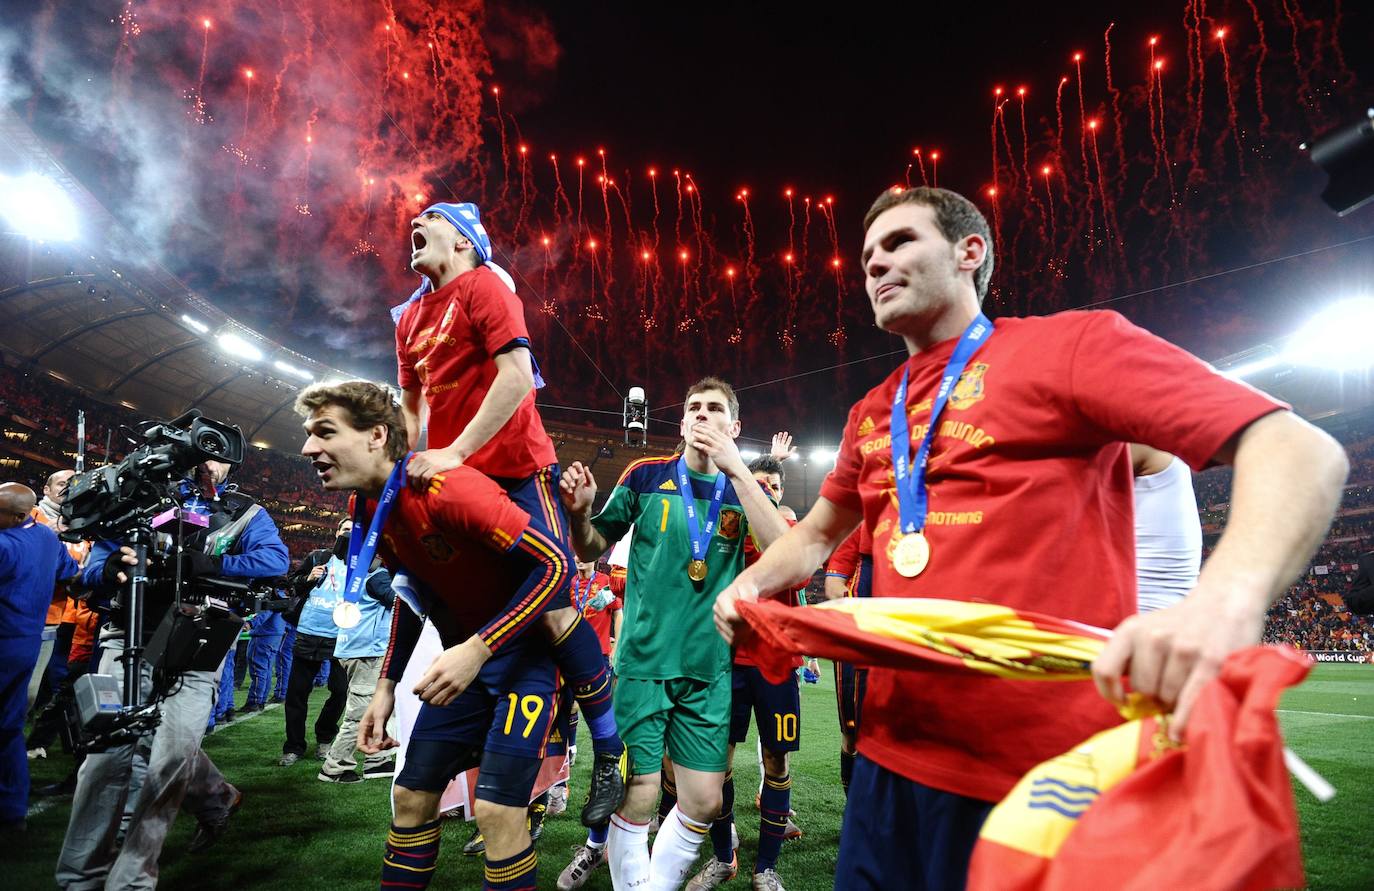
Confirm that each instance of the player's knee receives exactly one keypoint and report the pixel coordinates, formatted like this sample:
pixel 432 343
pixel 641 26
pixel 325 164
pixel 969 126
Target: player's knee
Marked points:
pixel 506 779
pixel 774 763
pixel 414 807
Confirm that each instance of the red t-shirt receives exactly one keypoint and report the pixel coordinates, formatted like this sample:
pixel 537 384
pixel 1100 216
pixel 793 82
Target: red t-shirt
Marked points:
pixel 790 597
pixel 1030 506
pixel 600 620
pixel 445 345
pixel 845 561
pixel 444 539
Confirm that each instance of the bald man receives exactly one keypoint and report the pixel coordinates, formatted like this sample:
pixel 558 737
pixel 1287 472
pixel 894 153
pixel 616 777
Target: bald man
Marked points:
pixel 32 560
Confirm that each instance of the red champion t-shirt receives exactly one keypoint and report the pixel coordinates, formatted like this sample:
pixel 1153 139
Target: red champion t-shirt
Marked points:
pixel 599 619
pixel 1030 506
pixel 445 344
pixel 790 597
pixel 445 538
pixel 845 561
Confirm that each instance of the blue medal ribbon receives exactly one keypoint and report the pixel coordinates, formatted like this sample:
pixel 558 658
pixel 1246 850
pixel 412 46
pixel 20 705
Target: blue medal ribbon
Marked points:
pixel 912 498
pixel 700 536
pixel 361 549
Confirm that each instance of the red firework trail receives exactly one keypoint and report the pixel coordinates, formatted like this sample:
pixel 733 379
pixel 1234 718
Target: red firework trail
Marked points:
pixel 1083 149
pixel 992 129
pixel 524 191
pixel 1163 135
pixel 1259 68
pixel 806 230
pixel 559 193
pixel 1197 73
pixel 1152 72
pixel 828 208
pixel 1231 117
pixel 581 166
pixel 935 169
pixel 653 183
pixel 751 269
pixel 1006 142
pixel 1045 172
pixel 1059 119
pixel 791 221
pixel 1025 140
pixel 677 223
pixel 501 126
pixel 921 165
pixel 606 213
pixel 204 55
pixel 907 176
pixel 1117 127
pixel 996 221
pixel 1305 96
pixel 1108 211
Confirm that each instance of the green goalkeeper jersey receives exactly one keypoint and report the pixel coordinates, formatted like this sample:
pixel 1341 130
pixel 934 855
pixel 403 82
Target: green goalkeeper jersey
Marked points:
pixel 668 630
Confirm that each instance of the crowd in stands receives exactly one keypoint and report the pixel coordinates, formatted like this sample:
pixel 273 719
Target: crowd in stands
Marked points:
pixel 306 514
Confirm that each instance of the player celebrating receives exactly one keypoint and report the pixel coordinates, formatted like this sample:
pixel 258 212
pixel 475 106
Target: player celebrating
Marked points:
pixel 1019 493
pixel 489 697
pixel 691 514
pixel 777 711
pixel 464 365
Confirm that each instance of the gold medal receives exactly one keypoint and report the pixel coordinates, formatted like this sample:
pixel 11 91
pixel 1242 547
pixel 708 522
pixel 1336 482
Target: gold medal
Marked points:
pixel 910 555
pixel 696 571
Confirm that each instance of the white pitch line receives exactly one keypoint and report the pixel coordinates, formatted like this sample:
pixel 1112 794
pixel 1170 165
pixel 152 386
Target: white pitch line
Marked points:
pixel 1298 711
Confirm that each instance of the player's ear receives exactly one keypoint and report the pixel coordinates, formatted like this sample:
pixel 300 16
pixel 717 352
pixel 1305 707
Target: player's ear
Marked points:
pixel 734 429
pixel 376 440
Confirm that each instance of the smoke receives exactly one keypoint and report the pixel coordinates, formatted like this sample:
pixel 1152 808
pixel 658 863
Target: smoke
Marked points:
pixel 273 158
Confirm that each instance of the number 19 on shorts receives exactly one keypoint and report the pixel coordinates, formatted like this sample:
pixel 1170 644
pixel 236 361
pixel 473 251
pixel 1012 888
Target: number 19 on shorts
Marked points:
pixel 530 707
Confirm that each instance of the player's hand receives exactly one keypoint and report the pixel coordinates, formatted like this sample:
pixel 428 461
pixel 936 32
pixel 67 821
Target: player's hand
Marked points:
pixel 726 616
pixel 372 737
pixel 424 465
pixel 123 557
pixel 782 447
pixel 316 574
pixel 452 671
pixel 1172 654
pixel 577 488
pixel 719 447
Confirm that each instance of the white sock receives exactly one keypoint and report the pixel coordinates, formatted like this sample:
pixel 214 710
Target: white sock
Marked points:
pixel 627 849
pixel 675 850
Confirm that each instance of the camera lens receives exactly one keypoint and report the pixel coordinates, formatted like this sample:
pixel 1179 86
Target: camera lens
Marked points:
pixel 212 442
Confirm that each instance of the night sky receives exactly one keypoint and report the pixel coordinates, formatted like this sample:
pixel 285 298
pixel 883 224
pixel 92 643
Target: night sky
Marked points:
pixel 291 237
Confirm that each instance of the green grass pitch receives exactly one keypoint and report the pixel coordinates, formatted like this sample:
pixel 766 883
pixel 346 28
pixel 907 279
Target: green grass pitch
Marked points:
pixel 295 832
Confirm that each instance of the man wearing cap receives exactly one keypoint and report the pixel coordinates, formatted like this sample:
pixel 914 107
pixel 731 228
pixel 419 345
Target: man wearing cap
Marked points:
pixel 467 375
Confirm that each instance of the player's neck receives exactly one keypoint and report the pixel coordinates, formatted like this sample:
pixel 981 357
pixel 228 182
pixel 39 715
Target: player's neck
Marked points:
pixel 441 276
pixel 376 480
pixel 699 462
pixel 945 323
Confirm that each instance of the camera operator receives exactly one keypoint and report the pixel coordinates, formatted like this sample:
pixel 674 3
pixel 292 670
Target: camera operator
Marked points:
pixel 240 541
pixel 31 561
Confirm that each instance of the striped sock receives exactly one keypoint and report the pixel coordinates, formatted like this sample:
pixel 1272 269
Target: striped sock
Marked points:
pixel 410 856
pixel 721 842
pixel 774 806
pixel 668 799
pixel 579 657
pixel 518 873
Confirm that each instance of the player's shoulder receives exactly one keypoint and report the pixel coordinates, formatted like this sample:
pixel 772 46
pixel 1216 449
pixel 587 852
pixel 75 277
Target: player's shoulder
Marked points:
pixel 648 473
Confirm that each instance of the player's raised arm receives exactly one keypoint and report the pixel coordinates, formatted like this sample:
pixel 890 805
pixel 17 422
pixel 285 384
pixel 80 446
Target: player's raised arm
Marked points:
pixel 577 488
pixel 789 562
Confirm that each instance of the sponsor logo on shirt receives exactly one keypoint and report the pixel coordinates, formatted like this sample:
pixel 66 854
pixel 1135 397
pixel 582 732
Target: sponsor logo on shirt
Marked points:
pixel 865 426
pixel 668 486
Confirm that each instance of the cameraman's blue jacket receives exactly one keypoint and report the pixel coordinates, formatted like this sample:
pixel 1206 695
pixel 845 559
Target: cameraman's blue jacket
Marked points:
pixel 258 553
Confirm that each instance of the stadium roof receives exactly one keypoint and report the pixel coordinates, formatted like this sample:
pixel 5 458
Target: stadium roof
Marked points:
pixel 98 313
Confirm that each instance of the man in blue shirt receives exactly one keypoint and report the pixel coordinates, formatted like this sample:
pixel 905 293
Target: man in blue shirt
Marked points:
pixel 32 560
pixel 239 541
pixel 320 580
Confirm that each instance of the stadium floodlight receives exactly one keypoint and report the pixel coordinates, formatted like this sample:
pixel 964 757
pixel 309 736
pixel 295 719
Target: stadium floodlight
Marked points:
pixel 37 208
pixel 195 324
pixel 238 347
pixel 749 454
pixel 1240 372
pixel 293 370
pixel 1337 338
pixel 823 456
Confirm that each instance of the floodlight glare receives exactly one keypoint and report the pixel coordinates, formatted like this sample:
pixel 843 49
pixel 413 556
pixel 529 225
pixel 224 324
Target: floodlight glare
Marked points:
pixel 237 346
pixel 35 207
pixel 1240 372
pixel 194 324
pixel 1337 338
pixel 748 454
pixel 823 456
pixel 293 370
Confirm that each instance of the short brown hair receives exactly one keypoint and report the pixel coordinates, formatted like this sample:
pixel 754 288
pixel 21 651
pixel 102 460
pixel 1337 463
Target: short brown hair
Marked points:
pixel 366 404
pixel 955 216
pixel 715 383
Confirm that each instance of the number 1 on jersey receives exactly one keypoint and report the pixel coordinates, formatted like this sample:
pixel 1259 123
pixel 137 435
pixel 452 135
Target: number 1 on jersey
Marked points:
pixel 663 524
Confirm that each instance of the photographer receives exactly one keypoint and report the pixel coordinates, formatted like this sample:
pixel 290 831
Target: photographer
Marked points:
pixel 239 541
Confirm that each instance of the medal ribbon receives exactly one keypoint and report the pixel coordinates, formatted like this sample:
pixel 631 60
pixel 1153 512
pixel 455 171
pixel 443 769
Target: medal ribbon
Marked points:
pixel 361 549
pixel 699 536
pixel 912 497
pixel 580 594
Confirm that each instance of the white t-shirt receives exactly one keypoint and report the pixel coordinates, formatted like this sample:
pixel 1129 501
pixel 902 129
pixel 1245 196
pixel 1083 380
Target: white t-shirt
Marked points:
pixel 1168 536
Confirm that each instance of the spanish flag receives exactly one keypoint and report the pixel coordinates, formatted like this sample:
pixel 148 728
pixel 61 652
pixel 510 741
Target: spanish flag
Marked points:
pixel 1126 808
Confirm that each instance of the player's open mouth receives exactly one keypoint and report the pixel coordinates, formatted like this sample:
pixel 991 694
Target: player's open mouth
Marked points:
pixel 417 242
pixel 322 469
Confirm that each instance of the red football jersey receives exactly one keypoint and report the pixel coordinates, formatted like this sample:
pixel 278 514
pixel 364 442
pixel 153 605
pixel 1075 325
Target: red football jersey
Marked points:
pixel 845 561
pixel 445 539
pixel 1030 506
pixel 445 345
pixel 600 620
pixel 791 597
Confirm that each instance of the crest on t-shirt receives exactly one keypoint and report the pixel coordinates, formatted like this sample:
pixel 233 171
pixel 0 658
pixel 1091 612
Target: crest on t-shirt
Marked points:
pixel 969 389
pixel 730 523
pixel 865 426
pixel 438 550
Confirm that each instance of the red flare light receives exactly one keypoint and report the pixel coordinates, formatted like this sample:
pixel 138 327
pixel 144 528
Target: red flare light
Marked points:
pixel 496 91
pixel 835 262
pixel 1092 125
pixel 553 158
pixel 206 23
pixel 405 75
pixel 1221 34
pixel 690 187
pixel 580 162
pixel 248 73
pixel 1045 171
pixel 1078 57
pixel 996 91
pixel 546 241
pixel 992 191
pixel 653 172
pixel 309 138
pixel 419 197
pixel 601 152
pixel 682 255
pixel 787 193
pixel 1159 64
pixel 591 244
pixel 644 255
pixel 1021 91
pixel 829 199
pixel 787 258
pixel 523 149
pixel 729 272
pixel 1154 40
pixel 934 156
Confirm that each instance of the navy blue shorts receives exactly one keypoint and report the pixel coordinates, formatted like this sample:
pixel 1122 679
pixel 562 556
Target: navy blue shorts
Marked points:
pixel 850 682
pixel 537 495
pixel 562 723
pixel 937 831
pixel 777 708
pixel 508 710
